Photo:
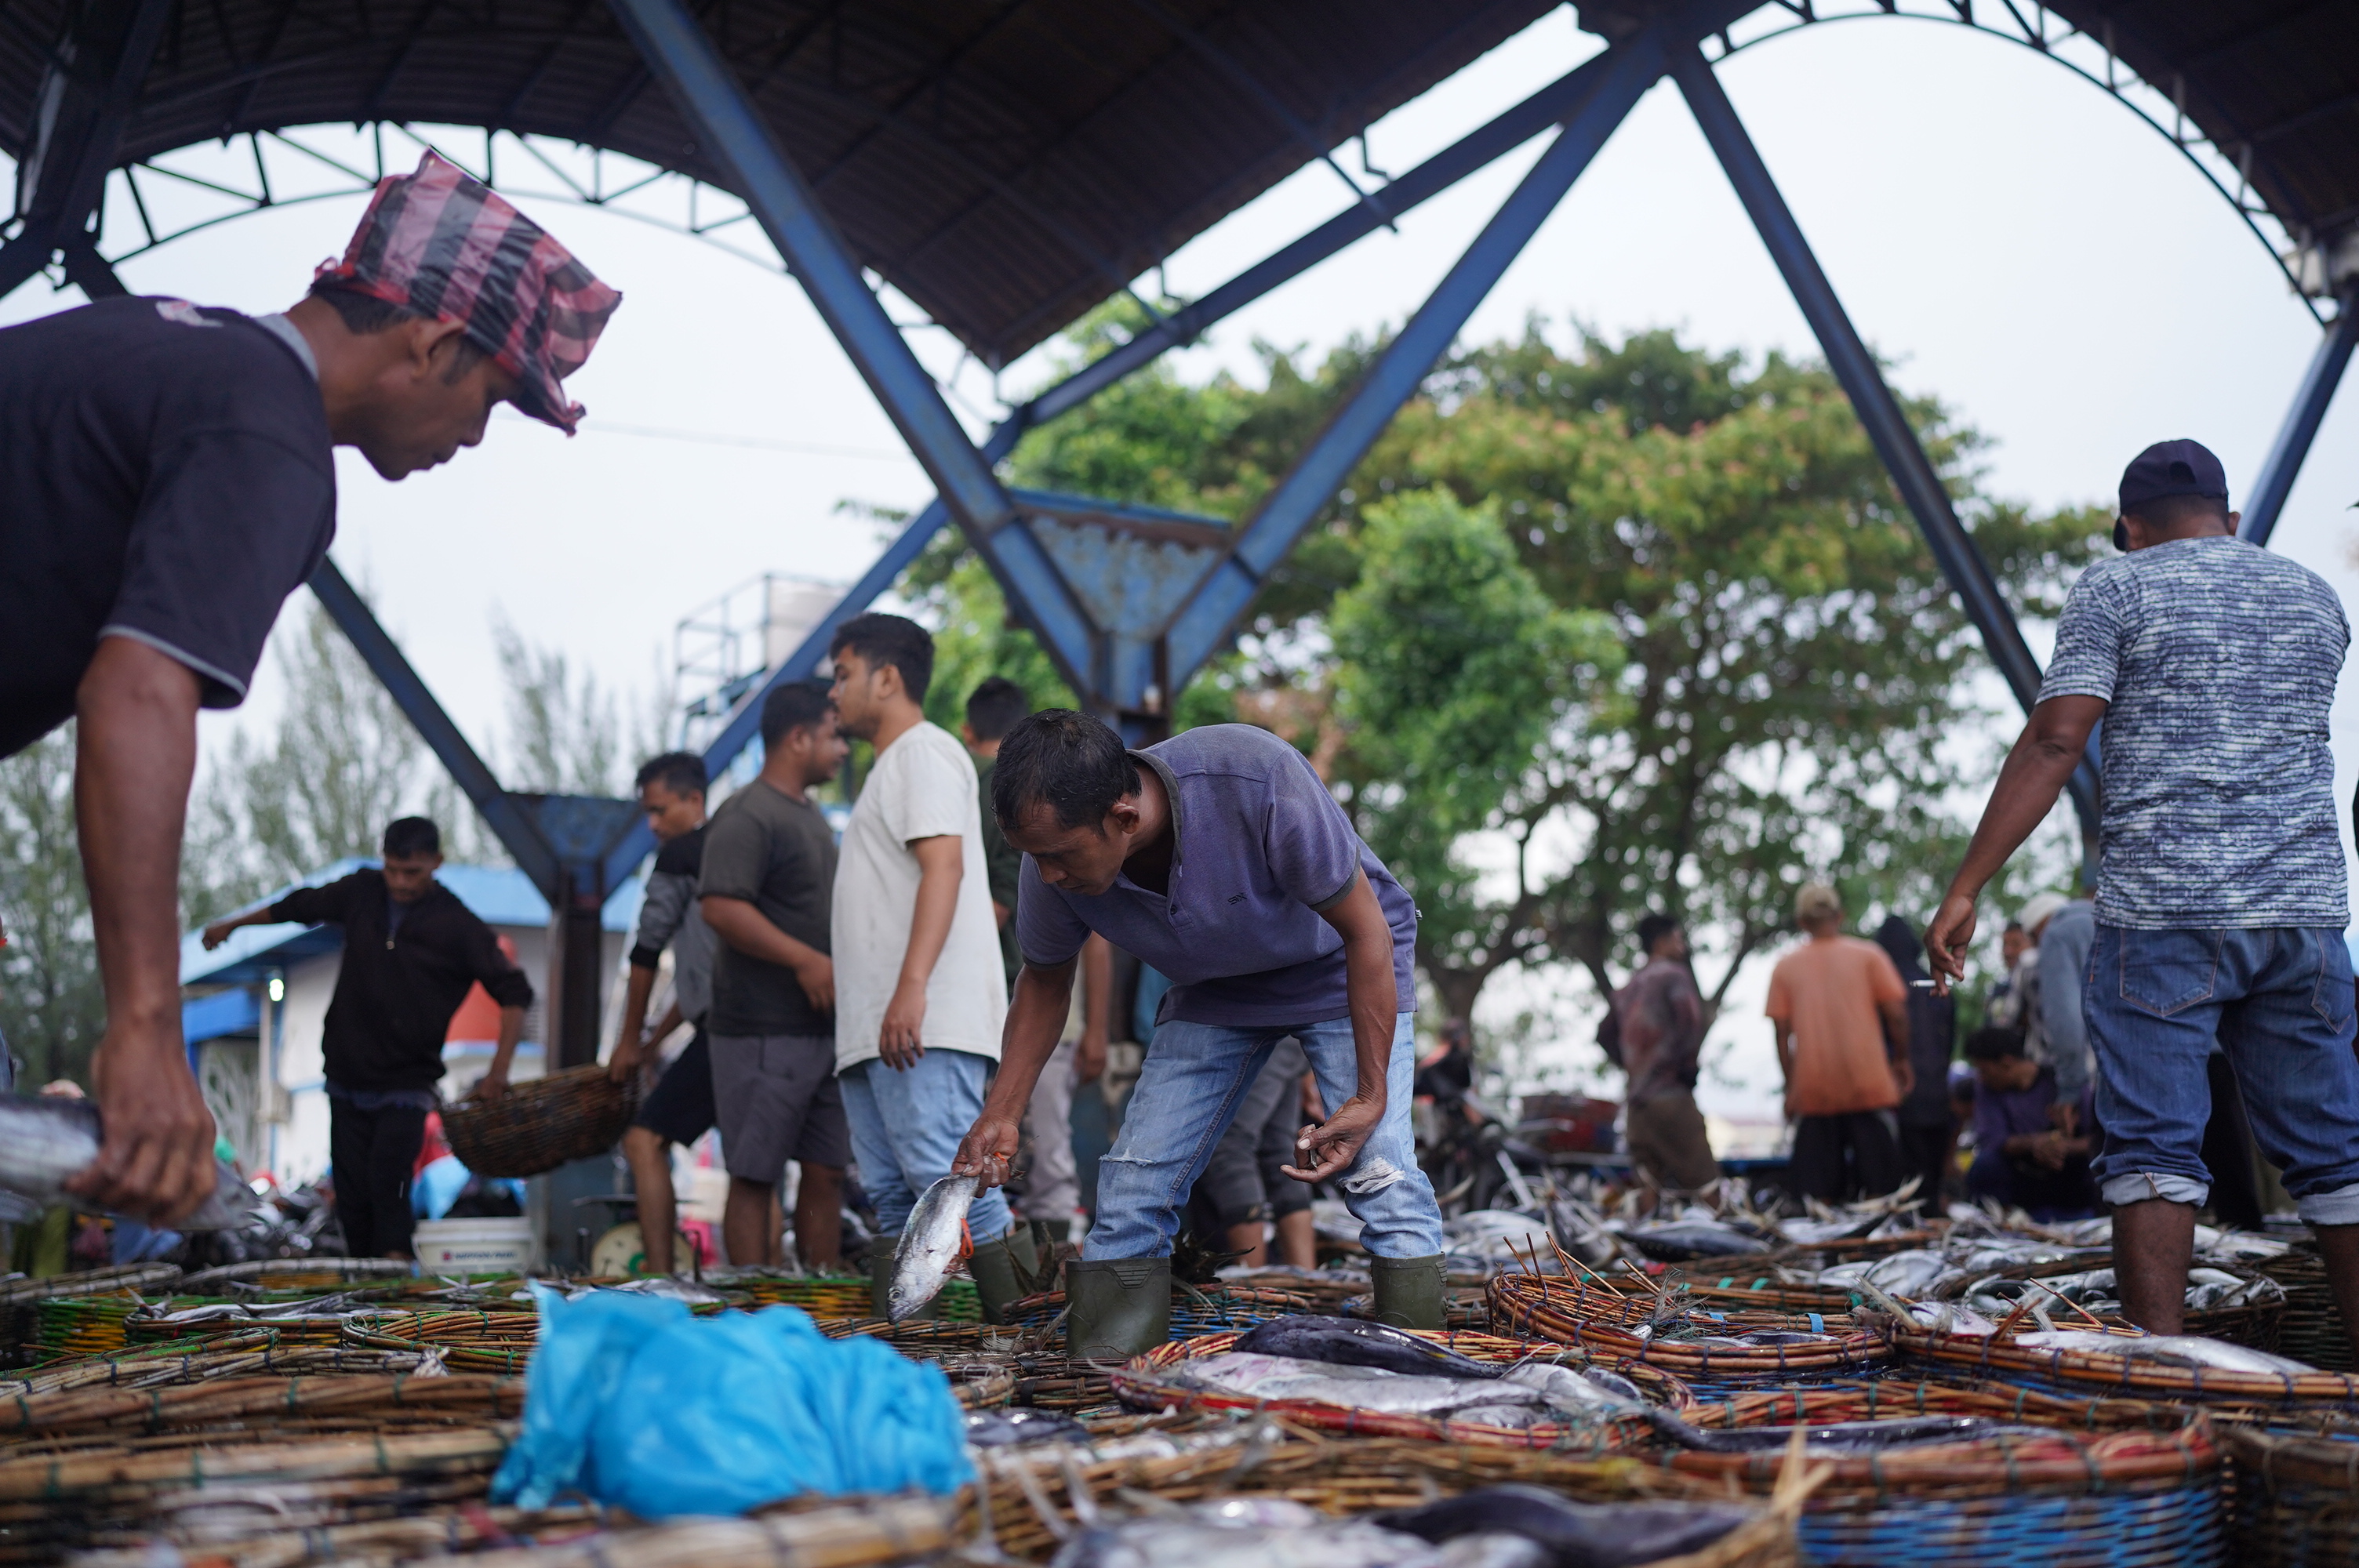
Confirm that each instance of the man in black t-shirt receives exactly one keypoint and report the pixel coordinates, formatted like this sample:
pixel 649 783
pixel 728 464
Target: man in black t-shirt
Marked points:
pixel 768 887
pixel 412 951
pixel 166 480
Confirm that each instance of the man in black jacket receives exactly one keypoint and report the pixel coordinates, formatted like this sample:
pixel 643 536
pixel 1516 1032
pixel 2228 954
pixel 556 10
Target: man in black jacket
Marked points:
pixel 411 953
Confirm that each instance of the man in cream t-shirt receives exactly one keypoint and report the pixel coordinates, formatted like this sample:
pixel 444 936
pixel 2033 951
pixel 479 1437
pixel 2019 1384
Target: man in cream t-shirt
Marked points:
pixel 920 993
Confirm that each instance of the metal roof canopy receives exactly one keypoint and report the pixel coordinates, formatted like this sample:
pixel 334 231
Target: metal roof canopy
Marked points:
pixel 1007 166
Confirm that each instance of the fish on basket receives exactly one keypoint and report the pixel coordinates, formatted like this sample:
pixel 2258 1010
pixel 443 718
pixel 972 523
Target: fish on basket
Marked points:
pixel 1352 1375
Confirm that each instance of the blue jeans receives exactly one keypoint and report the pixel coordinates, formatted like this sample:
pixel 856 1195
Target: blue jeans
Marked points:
pixel 905 1127
pixel 1195 1077
pixel 2279 1000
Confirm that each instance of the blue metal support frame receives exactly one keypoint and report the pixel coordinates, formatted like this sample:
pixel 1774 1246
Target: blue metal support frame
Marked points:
pixel 1553 104
pixel 2279 469
pixel 1211 616
pixel 710 98
pixel 1913 474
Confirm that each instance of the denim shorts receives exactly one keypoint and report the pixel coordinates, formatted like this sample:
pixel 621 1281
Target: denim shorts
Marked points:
pixel 2278 1002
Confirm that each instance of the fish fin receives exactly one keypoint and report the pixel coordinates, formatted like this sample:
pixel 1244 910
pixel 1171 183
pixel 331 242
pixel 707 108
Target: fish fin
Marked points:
pixel 966 1240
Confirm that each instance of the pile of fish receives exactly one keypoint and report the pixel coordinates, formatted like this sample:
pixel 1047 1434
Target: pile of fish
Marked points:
pixel 2095 1291
pixel 1351 1363
pixel 1500 1527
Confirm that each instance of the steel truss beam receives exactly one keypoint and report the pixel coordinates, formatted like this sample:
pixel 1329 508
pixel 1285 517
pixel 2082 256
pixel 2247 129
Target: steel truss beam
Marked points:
pixel 86 100
pixel 2279 469
pixel 1879 411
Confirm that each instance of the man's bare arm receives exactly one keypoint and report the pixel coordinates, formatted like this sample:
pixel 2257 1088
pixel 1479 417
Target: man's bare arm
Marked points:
pixel 942 867
pixel 135 751
pixel 495 1083
pixel 2033 774
pixel 1036 1018
pixel 745 927
pixel 1097 1009
pixel 1374 997
pixel 627 1049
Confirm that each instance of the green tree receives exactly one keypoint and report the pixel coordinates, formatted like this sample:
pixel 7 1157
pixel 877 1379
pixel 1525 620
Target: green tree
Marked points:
pixel 52 1009
pixel 1783 674
pixel 1453 670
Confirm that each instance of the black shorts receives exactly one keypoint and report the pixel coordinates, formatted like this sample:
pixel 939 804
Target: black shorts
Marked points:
pixel 679 1109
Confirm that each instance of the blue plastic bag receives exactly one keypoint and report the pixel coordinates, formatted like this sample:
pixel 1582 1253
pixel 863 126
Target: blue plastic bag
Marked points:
pixel 633 1400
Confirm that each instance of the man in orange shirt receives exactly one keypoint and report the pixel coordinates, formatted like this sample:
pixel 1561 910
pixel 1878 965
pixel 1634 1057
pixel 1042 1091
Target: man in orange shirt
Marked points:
pixel 1841 1017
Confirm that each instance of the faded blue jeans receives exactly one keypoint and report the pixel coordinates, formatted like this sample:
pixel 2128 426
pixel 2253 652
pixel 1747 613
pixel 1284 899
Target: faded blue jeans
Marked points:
pixel 1195 1077
pixel 905 1127
pixel 2279 1000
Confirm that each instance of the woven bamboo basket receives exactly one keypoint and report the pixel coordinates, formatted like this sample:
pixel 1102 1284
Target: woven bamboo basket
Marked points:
pixel 541 1123
pixel 2086 1372
pixel 272 1544
pixel 2312 1327
pixel 146 1278
pixel 1466 1309
pixel 469 1339
pixel 1025 1509
pixel 1594 1316
pixel 1145 1384
pixel 303 1274
pixel 2112 1482
pixel 2294 1492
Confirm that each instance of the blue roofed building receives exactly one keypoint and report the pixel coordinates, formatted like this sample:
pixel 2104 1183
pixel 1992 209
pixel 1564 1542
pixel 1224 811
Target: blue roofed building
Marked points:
pixel 253 1010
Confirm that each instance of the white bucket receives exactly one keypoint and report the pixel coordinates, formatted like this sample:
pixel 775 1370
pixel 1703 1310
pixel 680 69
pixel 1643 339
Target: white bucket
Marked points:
pixel 475 1245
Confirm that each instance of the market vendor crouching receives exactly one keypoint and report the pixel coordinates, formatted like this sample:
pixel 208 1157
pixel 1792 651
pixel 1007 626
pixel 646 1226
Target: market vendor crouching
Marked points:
pixel 1220 860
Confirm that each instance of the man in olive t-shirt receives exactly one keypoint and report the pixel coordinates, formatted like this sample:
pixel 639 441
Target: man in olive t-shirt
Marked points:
pixel 766 889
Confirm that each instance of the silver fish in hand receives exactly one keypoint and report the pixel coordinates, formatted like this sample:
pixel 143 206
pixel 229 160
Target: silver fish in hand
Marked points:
pixel 47 1141
pixel 931 1243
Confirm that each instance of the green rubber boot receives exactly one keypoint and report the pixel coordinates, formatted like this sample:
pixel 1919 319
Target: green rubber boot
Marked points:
pixel 1409 1291
pixel 1117 1307
pixel 1001 1269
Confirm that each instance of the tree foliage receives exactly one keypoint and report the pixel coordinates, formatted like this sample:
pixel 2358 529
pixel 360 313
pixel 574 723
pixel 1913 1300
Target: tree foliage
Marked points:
pixel 52 1011
pixel 1589 632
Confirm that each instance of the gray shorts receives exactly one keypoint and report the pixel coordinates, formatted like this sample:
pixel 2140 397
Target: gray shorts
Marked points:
pixel 774 1100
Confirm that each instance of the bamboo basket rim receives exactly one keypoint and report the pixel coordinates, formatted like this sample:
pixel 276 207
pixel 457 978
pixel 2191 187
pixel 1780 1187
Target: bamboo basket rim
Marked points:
pixel 119 1279
pixel 2304 1458
pixel 267 1268
pixel 1139 1383
pixel 1548 1317
pixel 2155 1379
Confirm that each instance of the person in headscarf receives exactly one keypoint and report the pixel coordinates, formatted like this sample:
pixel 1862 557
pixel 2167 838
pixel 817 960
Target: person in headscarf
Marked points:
pixel 167 479
pixel 1928 1128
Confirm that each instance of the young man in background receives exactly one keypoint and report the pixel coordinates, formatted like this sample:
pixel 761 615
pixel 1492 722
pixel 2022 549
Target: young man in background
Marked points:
pixel 768 883
pixel 1841 1018
pixel 920 994
pixel 1661 1017
pixel 412 951
pixel 680 1110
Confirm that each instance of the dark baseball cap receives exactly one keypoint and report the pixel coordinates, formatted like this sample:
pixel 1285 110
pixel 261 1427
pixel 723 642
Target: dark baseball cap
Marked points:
pixel 2172 468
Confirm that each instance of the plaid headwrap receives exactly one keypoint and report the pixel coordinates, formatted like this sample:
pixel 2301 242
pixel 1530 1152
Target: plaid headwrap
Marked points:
pixel 444 244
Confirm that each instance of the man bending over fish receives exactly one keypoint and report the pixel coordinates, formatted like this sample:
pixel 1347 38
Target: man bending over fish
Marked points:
pixel 1220 860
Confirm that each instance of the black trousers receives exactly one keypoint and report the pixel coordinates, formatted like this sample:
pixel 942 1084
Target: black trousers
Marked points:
pixel 1839 1158
pixel 373 1153
pixel 1925 1154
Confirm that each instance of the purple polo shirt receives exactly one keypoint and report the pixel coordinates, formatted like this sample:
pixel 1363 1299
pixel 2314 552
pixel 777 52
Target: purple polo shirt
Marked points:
pixel 1261 848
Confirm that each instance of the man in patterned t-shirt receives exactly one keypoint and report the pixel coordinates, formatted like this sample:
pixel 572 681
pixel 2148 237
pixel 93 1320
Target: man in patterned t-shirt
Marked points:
pixel 2220 899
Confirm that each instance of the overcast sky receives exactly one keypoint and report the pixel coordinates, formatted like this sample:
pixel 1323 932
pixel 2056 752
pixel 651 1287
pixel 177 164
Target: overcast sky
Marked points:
pixel 2019 244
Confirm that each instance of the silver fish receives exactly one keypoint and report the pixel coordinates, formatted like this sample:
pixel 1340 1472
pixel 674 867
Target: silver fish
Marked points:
pixel 46 1140
pixel 2173 1349
pixel 1511 1400
pixel 930 1244
pixel 1571 1389
pixel 1244 1534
